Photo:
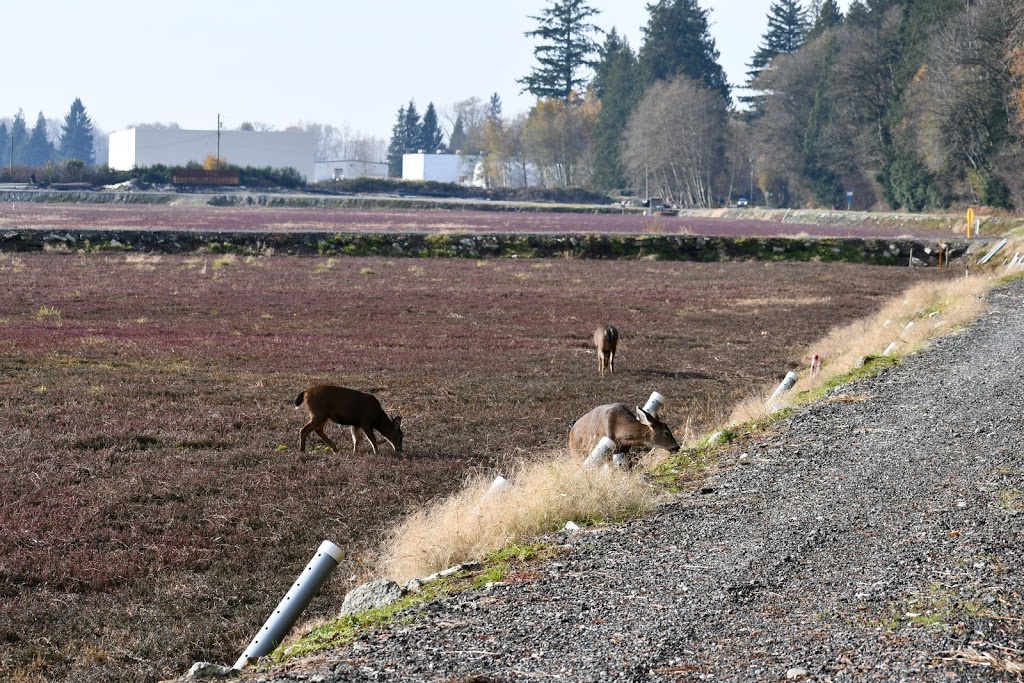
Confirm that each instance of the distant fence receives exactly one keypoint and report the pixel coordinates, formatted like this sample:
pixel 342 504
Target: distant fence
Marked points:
pixel 203 177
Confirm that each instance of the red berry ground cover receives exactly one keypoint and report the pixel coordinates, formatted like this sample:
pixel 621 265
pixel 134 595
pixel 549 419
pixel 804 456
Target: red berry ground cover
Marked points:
pixel 302 219
pixel 155 507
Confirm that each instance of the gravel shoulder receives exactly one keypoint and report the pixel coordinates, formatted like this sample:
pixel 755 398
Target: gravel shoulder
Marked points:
pixel 876 535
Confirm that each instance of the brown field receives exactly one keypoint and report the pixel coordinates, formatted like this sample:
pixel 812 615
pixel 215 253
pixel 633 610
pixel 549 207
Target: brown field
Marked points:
pixel 303 219
pixel 155 507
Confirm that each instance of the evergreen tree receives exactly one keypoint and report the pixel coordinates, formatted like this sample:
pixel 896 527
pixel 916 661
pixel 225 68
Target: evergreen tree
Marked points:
pixel 412 129
pixel 5 146
pixel 19 138
pixel 677 41
pixel 76 138
pixel 565 50
pixel 493 108
pixel 787 28
pixel 39 150
pixel 431 136
pixel 617 82
pixel 828 16
pixel 458 139
pixel 396 148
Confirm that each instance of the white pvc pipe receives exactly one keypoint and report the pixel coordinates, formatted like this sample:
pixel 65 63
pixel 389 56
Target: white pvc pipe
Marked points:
pixel 889 349
pixel 327 558
pixel 497 486
pixel 654 402
pixel 786 384
pixel 601 451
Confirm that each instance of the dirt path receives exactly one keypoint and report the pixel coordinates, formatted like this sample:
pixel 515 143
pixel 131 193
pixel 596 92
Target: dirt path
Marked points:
pixel 874 536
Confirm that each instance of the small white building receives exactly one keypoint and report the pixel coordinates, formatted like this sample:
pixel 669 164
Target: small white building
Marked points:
pixel 138 147
pixel 349 168
pixel 440 167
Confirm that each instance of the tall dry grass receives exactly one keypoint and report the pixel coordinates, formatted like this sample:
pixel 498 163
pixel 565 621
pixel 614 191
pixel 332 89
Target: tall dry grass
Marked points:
pixel 542 495
pixel 902 326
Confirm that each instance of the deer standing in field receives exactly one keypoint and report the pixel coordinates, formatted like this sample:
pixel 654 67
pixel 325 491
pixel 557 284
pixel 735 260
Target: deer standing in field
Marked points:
pixel 355 409
pixel 606 339
pixel 627 430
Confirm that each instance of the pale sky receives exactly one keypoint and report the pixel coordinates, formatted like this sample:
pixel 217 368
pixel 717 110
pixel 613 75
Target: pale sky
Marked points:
pixel 340 62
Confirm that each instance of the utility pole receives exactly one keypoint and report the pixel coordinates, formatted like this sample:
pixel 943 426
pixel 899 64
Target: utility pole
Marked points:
pixel 218 140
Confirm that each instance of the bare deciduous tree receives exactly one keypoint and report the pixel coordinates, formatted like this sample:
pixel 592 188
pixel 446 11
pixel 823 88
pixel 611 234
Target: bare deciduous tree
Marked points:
pixel 673 144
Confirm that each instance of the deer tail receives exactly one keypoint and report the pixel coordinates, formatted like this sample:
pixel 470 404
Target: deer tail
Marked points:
pixel 298 399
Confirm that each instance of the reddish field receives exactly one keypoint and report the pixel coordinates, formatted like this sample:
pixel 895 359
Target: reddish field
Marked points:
pixel 257 218
pixel 155 507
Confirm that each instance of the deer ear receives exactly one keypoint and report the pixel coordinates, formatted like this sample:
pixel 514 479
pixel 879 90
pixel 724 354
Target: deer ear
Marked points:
pixel 643 416
pixel 397 422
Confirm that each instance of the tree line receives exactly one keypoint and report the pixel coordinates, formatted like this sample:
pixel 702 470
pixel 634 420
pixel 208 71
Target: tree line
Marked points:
pixel 21 147
pixel 908 104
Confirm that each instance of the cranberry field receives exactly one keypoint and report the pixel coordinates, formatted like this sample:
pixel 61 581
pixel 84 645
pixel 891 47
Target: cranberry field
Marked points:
pixel 201 217
pixel 155 507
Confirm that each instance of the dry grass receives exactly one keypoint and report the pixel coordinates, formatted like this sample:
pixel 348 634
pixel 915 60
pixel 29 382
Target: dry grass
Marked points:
pixel 541 496
pixel 903 326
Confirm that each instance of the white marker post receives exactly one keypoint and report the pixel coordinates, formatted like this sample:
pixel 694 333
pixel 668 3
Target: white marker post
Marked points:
pixel 604 448
pixel 786 384
pixel 327 558
pixel 654 402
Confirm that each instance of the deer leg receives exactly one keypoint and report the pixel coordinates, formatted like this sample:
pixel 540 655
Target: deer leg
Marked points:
pixel 371 438
pixel 611 362
pixel 304 432
pixel 323 435
pixel 600 362
pixel 356 432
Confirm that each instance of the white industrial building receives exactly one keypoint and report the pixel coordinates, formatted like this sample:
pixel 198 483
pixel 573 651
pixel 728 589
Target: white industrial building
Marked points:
pixel 349 168
pixel 442 168
pixel 139 147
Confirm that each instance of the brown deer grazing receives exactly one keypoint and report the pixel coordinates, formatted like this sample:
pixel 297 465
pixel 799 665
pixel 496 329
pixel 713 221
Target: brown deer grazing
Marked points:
pixel 615 421
pixel 361 412
pixel 606 339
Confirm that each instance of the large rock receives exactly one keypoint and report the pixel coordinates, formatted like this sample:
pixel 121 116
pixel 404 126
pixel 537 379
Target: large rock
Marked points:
pixel 376 593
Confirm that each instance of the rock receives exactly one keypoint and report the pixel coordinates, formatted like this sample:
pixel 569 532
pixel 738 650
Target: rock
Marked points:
pixel 376 593
pixel 795 673
pixel 201 670
pixel 572 526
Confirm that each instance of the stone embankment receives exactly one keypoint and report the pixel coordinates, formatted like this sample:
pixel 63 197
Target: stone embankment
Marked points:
pixel 901 251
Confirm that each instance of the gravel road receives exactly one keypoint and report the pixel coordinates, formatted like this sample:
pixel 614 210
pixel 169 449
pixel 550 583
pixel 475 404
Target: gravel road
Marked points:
pixel 876 535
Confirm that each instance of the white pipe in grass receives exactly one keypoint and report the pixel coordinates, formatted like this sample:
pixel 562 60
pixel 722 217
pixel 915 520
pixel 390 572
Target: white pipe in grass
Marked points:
pixel 654 402
pixel 889 349
pixel 327 558
pixel 602 450
pixel 787 383
pixel 499 484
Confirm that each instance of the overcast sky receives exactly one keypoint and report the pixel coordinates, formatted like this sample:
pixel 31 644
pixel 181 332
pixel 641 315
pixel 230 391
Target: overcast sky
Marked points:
pixel 340 62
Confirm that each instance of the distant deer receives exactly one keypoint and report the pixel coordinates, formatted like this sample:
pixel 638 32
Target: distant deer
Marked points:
pixel 614 420
pixel 606 339
pixel 355 409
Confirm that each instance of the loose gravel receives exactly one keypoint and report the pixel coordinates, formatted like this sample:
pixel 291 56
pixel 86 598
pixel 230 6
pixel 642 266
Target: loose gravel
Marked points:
pixel 876 535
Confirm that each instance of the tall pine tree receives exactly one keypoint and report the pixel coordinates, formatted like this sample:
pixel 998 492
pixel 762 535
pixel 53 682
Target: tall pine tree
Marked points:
pixel 76 139
pixel 19 138
pixel 828 16
pixel 412 129
pixel 396 148
pixel 431 136
pixel 787 29
pixel 565 50
pixel 677 40
pixel 617 83
pixel 39 149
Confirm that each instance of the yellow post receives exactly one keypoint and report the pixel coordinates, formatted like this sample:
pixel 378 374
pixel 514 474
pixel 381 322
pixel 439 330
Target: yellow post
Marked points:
pixel 970 222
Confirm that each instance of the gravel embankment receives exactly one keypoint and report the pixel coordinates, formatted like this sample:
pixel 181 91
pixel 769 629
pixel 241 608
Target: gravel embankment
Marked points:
pixel 871 537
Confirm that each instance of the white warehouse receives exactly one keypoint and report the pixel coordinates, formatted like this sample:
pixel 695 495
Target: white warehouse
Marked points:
pixel 443 168
pixel 138 147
